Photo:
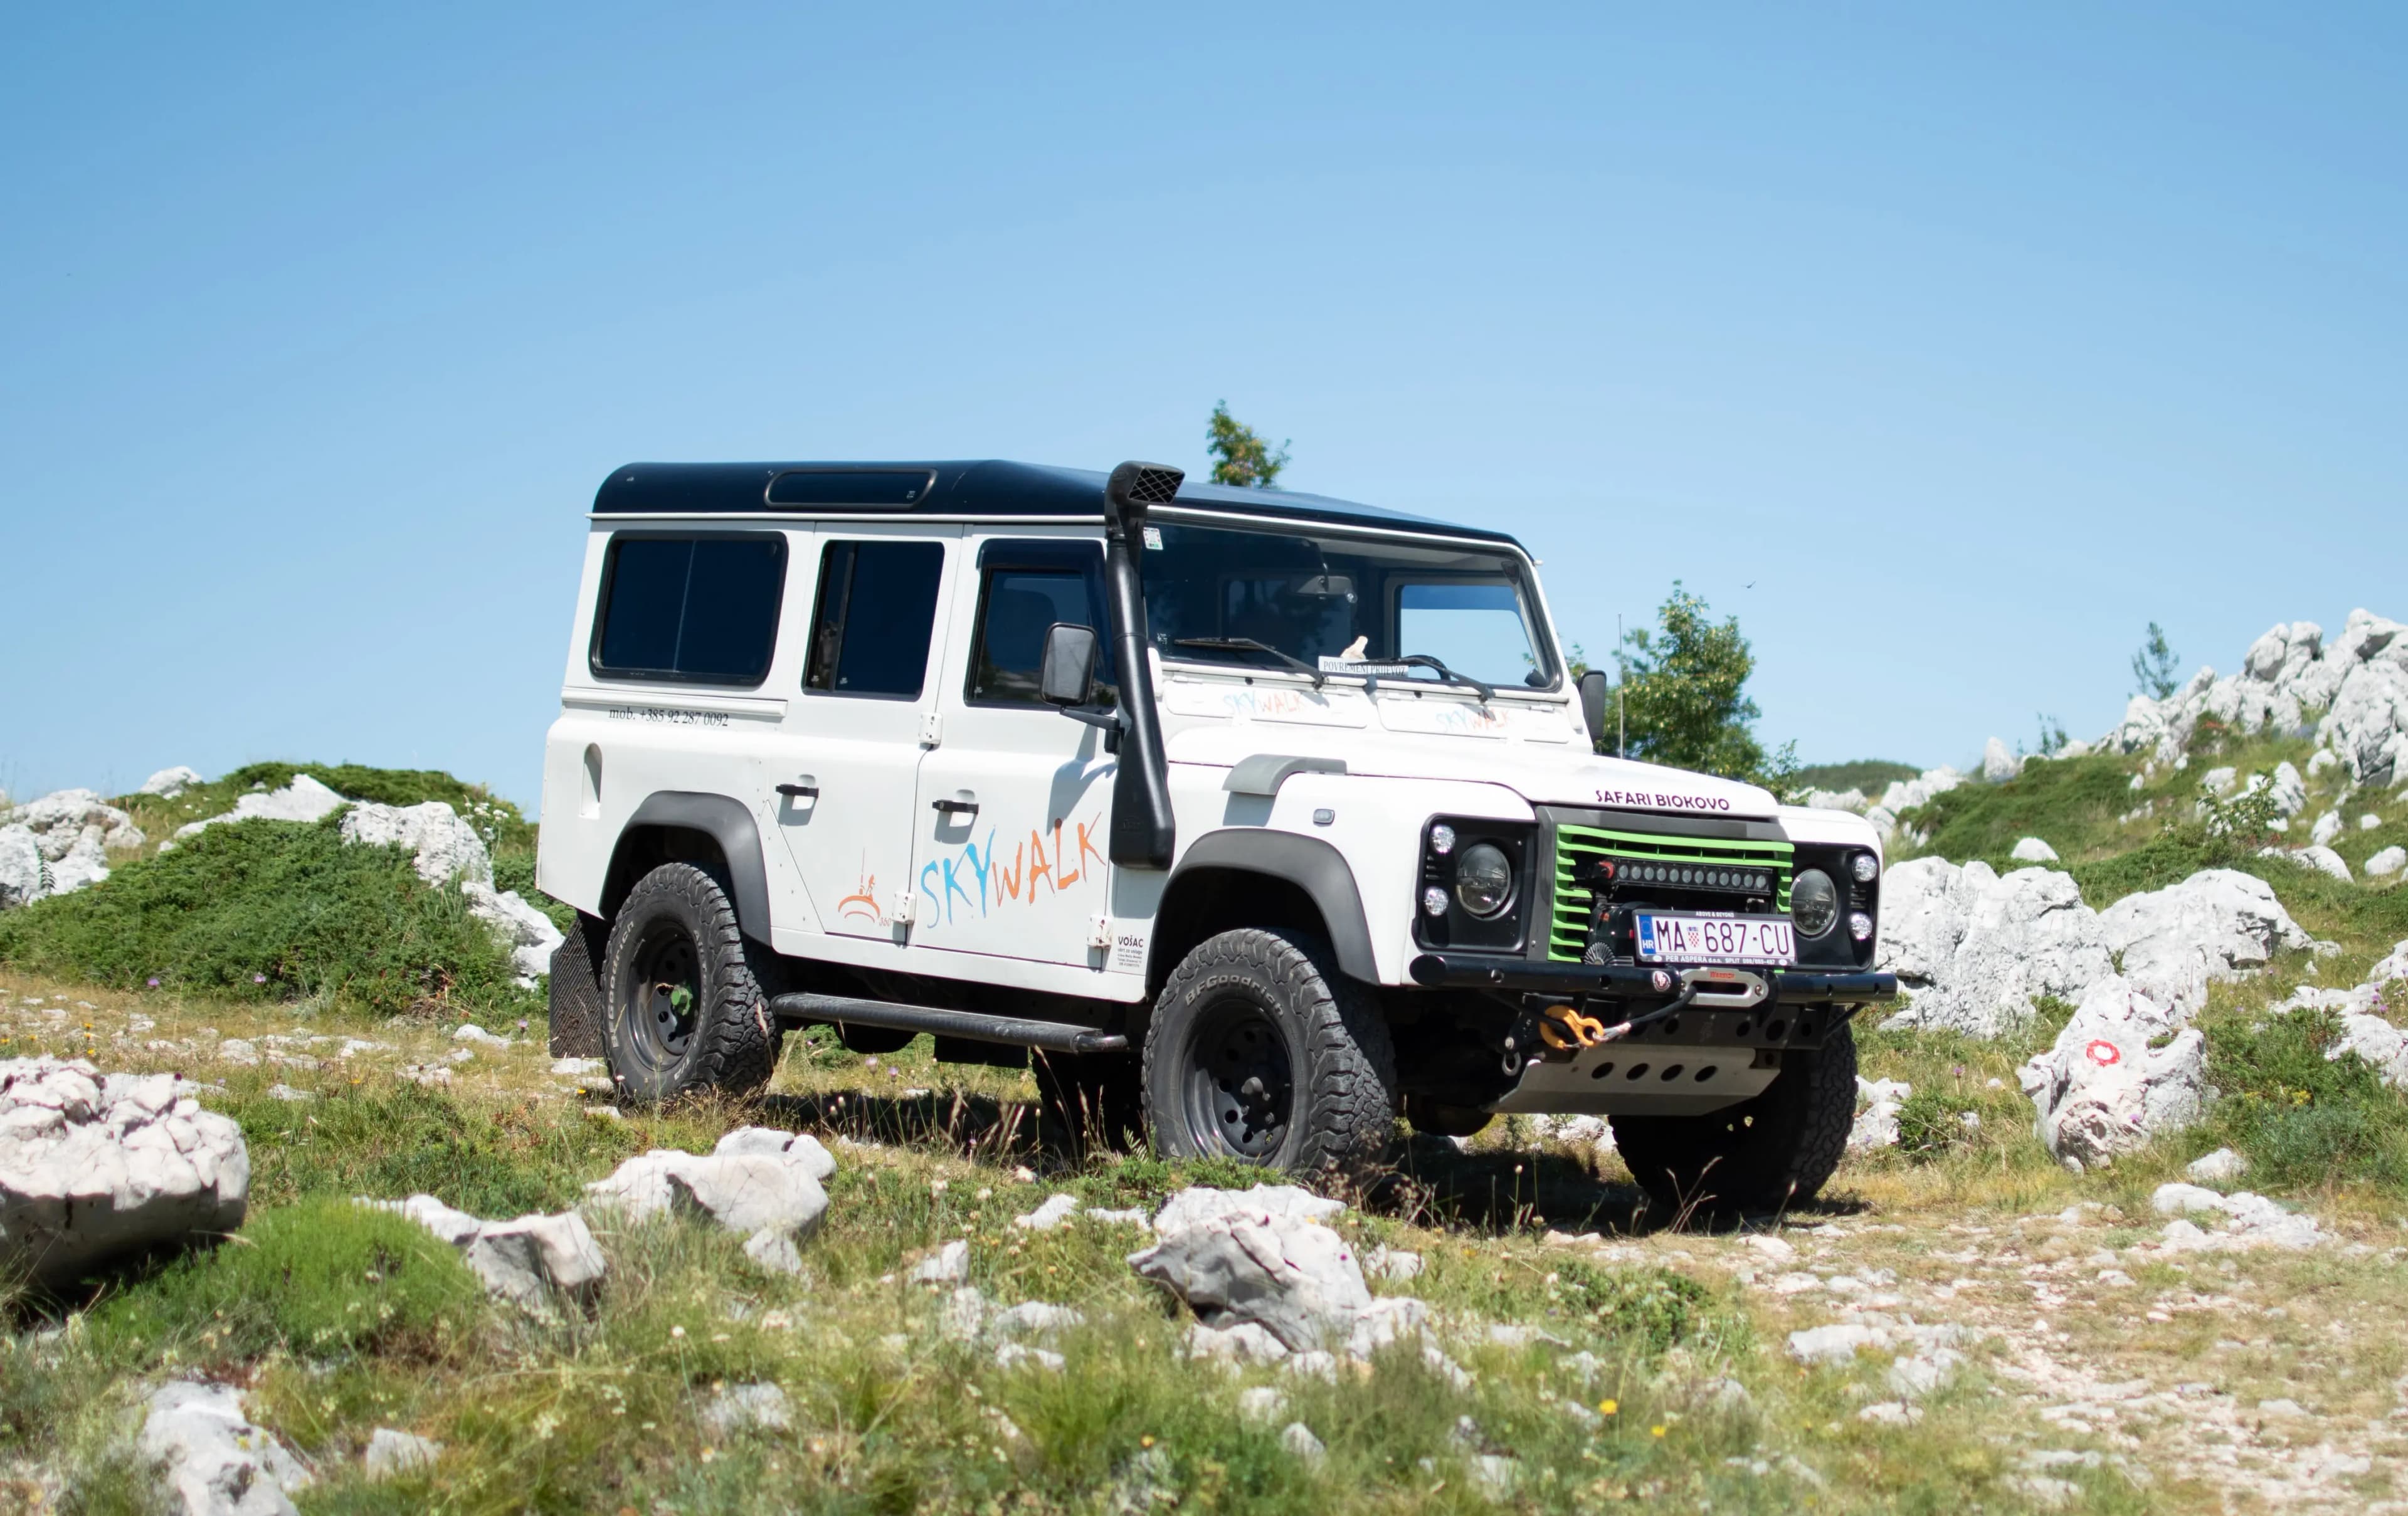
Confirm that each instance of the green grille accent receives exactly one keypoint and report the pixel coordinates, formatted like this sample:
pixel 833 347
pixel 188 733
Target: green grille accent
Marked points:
pixel 1568 933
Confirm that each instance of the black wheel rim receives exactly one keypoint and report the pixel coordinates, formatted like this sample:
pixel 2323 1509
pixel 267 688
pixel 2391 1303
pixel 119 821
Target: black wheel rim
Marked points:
pixel 663 997
pixel 1240 1091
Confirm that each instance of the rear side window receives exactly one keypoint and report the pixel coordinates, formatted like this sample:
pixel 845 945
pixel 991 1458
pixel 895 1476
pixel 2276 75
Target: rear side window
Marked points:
pixel 699 609
pixel 877 615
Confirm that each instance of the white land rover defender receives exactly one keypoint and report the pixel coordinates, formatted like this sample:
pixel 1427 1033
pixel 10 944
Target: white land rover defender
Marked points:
pixel 1253 819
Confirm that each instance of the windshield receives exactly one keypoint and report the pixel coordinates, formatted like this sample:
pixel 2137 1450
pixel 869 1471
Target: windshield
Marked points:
pixel 1213 592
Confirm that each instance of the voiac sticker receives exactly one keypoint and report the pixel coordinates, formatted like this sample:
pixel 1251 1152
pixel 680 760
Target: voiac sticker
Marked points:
pixel 1154 539
pixel 1128 952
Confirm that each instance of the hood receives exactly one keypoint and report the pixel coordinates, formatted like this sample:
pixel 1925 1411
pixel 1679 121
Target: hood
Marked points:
pixel 1542 773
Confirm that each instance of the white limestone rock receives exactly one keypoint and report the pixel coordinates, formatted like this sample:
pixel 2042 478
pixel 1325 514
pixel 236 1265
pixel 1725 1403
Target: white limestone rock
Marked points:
pixel 394 1454
pixel 2218 925
pixel 530 1261
pixel 1053 1213
pixel 1876 1125
pixel 2222 1167
pixel 442 847
pixel 1296 1278
pixel 2327 828
pixel 2383 865
pixel 95 1168
pixel 2032 850
pixel 24 873
pixel 746 1192
pixel 213 1461
pixel 1999 764
pixel 2368 723
pixel 801 1149
pixel 170 782
pixel 1900 796
pixel 1200 1203
pixel 2102 1090
pixel 303 800
pixel 60 844
pixel 2323 860
pixel 1973 949
pixel 735 1409
pixel 948 1264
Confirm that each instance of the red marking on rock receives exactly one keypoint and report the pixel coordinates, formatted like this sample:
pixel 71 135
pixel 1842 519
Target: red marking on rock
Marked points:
pixel 2104 1052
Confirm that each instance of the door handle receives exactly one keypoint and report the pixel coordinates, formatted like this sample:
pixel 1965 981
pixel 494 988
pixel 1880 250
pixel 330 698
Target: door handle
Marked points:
pixel 967 806
pixel 799 792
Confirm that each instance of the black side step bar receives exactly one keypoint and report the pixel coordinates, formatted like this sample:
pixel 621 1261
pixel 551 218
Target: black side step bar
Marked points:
pixel 1053 1037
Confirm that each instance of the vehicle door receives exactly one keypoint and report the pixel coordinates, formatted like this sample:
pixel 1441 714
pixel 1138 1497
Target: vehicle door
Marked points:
pixel 1014 802
pixel 846 762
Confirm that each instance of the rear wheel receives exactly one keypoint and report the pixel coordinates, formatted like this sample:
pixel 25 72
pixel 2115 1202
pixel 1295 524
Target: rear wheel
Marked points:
pixel 1763 1154
pixel 1260 1049
pixel 684 1001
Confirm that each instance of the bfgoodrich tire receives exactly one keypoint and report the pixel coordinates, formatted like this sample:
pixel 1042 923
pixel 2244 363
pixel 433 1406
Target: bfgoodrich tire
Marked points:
pixel 684 1005
pixel 1763 1154
pixel 1260 1049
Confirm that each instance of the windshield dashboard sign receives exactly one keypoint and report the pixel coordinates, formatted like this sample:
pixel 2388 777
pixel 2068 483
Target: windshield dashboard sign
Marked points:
pixel 1660 801
pixel 1363 670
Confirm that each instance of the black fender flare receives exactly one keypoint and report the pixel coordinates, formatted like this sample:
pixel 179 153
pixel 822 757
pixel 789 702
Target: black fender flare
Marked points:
pixel 730 824
pixel 1307 862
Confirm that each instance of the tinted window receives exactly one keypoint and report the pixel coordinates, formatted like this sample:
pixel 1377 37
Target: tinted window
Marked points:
pixel 876 614
pixel 694 609
pixel 1016 607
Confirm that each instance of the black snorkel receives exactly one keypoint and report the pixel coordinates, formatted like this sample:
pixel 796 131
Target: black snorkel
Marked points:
pixel 1143 832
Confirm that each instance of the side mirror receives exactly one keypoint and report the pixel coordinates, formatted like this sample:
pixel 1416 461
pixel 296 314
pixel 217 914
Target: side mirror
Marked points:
pixel 1596 694
pixel 1067 673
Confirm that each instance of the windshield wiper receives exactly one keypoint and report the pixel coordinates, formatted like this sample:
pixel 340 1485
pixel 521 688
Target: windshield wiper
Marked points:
pixel 1424 660
pixel 1247 644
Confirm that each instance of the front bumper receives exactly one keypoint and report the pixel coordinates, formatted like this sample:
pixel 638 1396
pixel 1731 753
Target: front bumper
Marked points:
pixel 1497 971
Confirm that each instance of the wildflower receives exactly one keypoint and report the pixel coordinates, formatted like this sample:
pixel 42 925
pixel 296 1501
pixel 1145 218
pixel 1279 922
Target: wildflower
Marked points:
pixel 1656 1430
pixel 259 978
pixel 155 981
pixel 1609 1407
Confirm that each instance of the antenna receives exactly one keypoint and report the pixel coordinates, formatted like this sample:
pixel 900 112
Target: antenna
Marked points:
pixel 1621 726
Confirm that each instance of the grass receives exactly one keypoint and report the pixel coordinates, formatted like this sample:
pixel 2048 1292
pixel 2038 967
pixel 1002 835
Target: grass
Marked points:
pixel 270 911
pixel 341 1319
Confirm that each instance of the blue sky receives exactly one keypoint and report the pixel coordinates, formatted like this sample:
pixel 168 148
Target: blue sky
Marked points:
pixel 1946 346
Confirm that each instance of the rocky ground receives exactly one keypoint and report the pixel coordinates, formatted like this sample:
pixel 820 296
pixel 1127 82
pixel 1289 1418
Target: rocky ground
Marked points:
pixel 1986 1328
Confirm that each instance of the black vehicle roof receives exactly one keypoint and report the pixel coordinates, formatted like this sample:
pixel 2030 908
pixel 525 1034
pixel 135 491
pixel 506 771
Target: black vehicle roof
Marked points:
pixel 979 487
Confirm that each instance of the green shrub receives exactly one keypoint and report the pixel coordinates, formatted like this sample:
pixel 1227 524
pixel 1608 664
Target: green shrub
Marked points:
pixel 1870 775
pixel 2071 802
pixel 270 911
pixel 1650 1309
pixel 319 1280
pixel 2303 1121
pixel 1931 1125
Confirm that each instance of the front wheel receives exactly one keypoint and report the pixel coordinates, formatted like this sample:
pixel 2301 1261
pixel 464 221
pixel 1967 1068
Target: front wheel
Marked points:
pixel 1763 1154
pixel 683 1003
pixel 1261 1051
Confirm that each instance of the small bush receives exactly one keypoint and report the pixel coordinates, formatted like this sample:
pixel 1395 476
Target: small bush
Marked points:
pixel 1931 1125
pixel 319 1280
pixel 2303 1121
pixel 270 911
pixel 1649 1309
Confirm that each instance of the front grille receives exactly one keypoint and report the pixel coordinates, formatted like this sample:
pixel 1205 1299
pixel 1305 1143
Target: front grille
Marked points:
pixel 1575 907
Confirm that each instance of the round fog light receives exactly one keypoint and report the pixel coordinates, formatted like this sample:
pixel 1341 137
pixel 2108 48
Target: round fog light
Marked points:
pixel 1866 867
pixel 1442 839
pixel 1860 926
pixel 1434 901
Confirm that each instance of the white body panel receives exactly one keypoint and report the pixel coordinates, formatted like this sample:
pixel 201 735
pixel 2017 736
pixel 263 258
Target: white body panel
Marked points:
pixel 1020 892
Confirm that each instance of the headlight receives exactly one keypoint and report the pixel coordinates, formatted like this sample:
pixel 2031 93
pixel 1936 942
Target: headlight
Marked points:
pixel 1484 880
pixel 1865 867
pixel 1860 926
pixel 1814 902
pixel 1434 901
pixel 1442 839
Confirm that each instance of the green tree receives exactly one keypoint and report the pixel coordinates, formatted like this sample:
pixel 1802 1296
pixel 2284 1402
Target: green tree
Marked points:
pixel 1684 696
pixel 2154 665
pixel 1240 455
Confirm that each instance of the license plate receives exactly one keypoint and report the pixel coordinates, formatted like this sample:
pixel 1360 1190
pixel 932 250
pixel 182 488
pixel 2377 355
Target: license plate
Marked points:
pixel 1716 940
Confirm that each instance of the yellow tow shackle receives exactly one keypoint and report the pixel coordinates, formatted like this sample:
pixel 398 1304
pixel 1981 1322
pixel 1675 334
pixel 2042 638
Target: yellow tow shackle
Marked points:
pixel 1564 1029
